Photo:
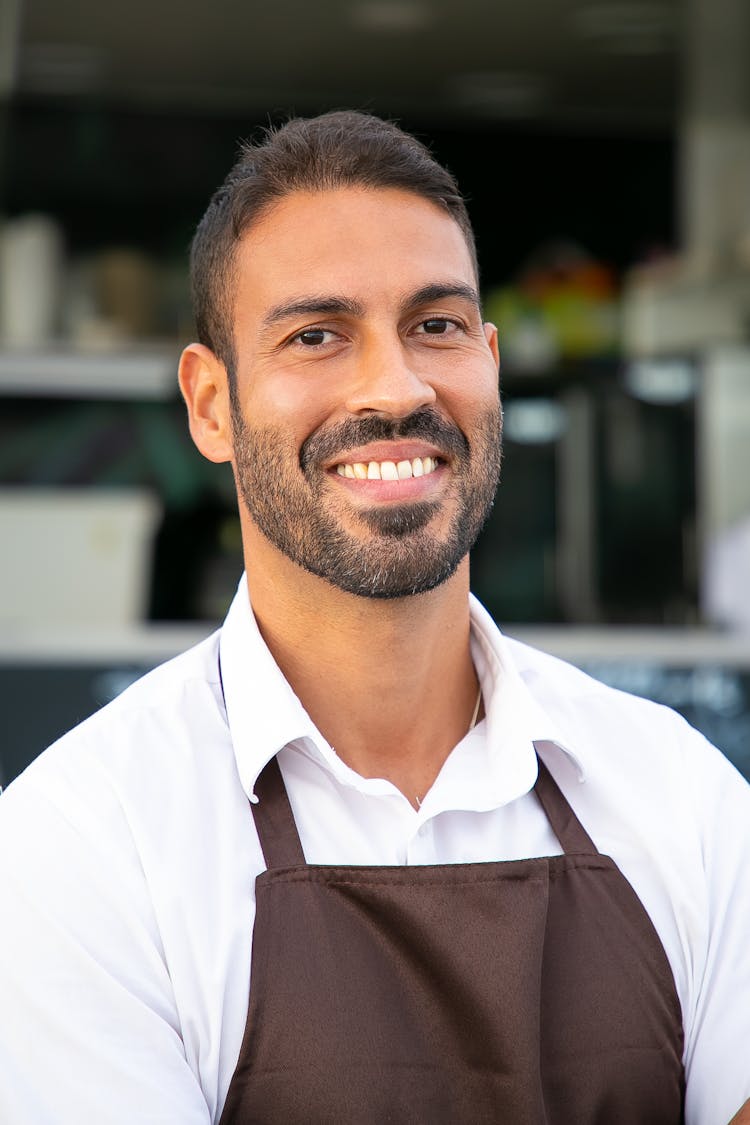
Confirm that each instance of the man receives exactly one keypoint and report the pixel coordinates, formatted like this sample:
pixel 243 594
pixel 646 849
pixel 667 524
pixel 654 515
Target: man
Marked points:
pixel 460 947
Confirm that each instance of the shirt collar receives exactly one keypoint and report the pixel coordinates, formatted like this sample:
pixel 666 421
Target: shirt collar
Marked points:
pixel 264 715
pixel 514 721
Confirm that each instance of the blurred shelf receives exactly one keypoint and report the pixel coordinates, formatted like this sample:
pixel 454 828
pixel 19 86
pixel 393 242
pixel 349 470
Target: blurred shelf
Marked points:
pixel 148 372
pixel 679 648
pixel 145 643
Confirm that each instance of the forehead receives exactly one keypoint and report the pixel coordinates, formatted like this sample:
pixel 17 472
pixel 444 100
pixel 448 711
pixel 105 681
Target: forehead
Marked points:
pixel 359 241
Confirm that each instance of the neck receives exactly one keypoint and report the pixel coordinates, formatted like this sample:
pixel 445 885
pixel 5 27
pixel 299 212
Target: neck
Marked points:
pixel 388 682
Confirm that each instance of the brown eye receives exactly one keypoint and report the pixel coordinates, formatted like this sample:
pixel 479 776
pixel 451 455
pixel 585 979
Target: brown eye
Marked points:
pixel 312 337
pixel 436 326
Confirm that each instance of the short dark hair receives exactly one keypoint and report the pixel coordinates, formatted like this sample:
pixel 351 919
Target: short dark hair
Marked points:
pixel 338 149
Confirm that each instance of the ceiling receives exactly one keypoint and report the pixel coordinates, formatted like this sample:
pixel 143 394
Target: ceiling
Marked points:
pixel 587 63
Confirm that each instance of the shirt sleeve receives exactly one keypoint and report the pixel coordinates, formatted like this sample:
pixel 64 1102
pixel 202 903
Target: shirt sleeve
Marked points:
pixel 89 1030
pixel 718 1046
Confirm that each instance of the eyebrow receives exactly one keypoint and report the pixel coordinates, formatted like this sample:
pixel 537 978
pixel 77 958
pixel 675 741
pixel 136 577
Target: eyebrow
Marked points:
pixel 440 291
pixel 313 306
pixel 319 305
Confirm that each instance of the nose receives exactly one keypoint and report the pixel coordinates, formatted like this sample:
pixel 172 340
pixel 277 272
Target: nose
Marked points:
pixel 387 383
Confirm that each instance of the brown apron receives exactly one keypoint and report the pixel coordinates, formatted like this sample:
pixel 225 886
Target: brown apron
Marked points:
pixel 524 992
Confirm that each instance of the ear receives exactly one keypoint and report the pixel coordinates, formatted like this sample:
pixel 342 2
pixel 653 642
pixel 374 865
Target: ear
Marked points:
pixel 205 388
pixel 490 335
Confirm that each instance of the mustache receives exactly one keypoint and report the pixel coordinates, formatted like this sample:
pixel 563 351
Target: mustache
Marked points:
pixel 426 423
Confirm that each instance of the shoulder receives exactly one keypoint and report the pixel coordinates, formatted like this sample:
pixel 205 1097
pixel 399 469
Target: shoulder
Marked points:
pixel 162 698
pixel 635 754
pixel 592 715
pixel 118 766
pixel 118 825
pixel 585 711
pixel 642 760
pixel 113 847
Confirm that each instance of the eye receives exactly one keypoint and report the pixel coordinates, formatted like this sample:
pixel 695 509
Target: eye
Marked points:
pixel 313 337
pixel 437 326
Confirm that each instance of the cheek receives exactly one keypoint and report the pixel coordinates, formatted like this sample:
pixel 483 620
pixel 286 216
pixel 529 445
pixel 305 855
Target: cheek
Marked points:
pixel 470 399
pixel 294 408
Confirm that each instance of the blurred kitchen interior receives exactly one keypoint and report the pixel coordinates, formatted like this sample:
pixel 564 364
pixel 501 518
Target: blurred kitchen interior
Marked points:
pixel 605 151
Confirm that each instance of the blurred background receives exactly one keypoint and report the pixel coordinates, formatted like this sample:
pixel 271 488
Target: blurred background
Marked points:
pixel 604 148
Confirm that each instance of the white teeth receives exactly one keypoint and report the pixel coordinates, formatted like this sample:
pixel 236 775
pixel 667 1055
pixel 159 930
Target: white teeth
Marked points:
pixel 388 470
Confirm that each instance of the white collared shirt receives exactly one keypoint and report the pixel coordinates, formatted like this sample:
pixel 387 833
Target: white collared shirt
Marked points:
pixel 128 857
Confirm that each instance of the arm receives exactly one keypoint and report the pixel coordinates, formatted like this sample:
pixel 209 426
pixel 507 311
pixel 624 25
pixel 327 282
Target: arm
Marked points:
pixel 88 1025
pixel 718 1077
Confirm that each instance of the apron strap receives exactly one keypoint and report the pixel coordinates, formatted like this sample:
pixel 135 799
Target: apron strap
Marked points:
pixel 565 824
pixel 274 819
pixel 273 816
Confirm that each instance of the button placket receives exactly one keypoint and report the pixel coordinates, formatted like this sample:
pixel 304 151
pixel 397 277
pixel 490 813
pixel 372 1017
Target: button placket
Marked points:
pixel 421 847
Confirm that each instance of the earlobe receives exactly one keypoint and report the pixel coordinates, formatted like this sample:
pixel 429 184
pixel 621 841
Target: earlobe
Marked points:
pixel 204 386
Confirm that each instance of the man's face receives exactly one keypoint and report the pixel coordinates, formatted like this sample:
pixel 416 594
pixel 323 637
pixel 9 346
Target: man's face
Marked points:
pixel 366 417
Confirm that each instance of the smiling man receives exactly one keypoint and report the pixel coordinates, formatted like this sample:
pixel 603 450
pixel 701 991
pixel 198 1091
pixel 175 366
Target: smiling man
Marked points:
pixel 358 857
pixel 360 409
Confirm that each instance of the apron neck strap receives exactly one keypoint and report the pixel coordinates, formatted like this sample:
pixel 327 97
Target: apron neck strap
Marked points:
pixel 565 824
pixel 274 819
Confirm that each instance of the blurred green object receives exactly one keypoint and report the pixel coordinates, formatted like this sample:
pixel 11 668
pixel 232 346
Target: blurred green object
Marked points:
pixel 564 305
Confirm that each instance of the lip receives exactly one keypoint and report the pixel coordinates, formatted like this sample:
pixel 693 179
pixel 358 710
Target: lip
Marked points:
pixel 386 451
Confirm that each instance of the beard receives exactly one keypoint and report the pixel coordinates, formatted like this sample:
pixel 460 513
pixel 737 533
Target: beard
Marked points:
pixel 397 554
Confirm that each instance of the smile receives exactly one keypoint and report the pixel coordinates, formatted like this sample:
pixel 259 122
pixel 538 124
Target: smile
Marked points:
pixel 388 470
